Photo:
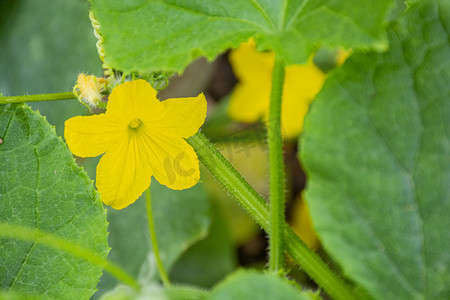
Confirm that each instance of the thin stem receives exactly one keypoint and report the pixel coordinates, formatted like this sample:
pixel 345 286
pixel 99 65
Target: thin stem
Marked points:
pixel 276 168
pixel 255 205
pixel 39 97
pixel 34 235
pixel 151 228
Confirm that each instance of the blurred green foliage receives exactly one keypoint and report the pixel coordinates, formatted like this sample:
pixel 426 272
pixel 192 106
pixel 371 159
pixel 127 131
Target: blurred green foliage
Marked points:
pixel 45 44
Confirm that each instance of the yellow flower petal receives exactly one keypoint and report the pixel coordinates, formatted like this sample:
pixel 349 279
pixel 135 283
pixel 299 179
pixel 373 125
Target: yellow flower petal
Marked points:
pixel 124 172
pixel 174 162
pixel 250 65
pixel 342 55
pixel 247 102
pixel 302 83
pixel 90 136
pixel 302 224
pixel 181 116
pixel 133 99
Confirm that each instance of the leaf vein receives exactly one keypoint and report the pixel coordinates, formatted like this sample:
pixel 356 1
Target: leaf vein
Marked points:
pixel 375 235
pixel 283 14
pixel 62 278
pixel 217 17
pixel 19 272
pixel 79 214
pixel 409 173
pixel 7 126
pixel 342 16
pixel 295 15
pixel 166 38
pixel 263 12
pixel 404 279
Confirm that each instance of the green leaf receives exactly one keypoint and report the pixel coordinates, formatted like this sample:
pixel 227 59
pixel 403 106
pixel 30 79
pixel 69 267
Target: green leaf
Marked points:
pixel 145 35
pixel 44 45
pixel 42 188
pixel 376 148
pixel 252 285
pixel 14 296
pixel 181 219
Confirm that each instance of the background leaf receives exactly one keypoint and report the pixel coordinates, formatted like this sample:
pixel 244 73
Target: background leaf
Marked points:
pixel 376 148
pixel 252 285
pixel 45 44
pixel 181 219
pixel 144 35
pixel 42 188
pixel 157 292
pixel 209 260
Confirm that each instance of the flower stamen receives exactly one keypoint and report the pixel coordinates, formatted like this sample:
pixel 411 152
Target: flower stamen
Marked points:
pixel 134 123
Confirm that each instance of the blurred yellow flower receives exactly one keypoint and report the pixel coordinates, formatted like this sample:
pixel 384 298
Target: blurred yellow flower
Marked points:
pixel 302 225
pixel 250 98
pixel 140 137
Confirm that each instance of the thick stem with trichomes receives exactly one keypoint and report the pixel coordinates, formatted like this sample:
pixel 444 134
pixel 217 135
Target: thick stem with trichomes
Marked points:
pixel 255 205
pixel 276 168
pixel 151 229
pixel 38 97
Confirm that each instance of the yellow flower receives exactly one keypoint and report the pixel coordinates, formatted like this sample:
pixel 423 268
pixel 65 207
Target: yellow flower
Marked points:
pixel 342 55
pixel 301 223
pixel 140 137
pixel 250 98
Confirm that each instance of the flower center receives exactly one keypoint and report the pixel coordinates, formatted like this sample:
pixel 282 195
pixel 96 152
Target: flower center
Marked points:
pixel 134 123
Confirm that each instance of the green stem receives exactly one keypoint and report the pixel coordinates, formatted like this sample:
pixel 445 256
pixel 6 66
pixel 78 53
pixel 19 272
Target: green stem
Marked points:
pixel 151 228
pixel 276 174
pixel 34 235
pixel 231 179
pixel 255 205
pixel 39 97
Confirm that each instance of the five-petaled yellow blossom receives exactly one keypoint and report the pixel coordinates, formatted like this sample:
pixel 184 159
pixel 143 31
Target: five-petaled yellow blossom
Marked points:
pixel 140 136
pixel 250 98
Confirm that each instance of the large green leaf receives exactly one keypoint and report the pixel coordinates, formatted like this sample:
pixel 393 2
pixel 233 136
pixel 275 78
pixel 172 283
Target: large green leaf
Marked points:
pixel 181 219
pixel 142 35
pixel 42 188
pixel 44 45
pixel 376 148
pixel 252 285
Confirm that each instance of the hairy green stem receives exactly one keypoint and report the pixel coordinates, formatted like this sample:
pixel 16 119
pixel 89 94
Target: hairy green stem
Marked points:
pixel 231 179
pixel 255 205
pixel 276 174
pixel 39 97
pixel 53 241
pixel 151 229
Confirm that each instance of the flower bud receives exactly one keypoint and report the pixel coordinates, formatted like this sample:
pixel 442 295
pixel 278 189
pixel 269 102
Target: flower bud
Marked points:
pixel 89 90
